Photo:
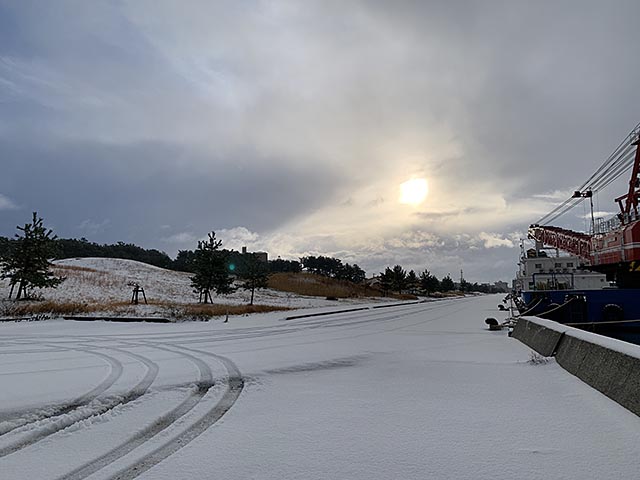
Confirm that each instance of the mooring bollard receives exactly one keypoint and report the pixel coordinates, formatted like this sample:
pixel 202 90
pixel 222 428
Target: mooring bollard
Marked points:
pixel 493 324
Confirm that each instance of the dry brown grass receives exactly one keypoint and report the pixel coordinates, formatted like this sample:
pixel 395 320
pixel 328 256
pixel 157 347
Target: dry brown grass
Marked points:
pixel 72 268
pixel 319 286
pixel 87 276
pixel 204 311
pixel 446 294
pixel 404 296
pixel 52 307
pixel 172 310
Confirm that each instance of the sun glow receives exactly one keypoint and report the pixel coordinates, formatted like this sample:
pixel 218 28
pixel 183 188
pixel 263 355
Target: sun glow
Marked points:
pixel 414 191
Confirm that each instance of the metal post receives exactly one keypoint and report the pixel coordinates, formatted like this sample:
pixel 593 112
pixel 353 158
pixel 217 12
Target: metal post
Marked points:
pixel 593 222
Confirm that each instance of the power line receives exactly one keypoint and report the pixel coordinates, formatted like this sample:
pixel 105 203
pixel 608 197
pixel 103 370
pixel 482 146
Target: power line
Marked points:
pixel 613 167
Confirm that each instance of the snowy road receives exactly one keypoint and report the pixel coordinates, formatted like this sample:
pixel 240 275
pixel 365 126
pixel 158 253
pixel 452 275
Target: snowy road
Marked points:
pixel 408 392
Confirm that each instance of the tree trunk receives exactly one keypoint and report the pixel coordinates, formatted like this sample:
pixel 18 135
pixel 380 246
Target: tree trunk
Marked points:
pixel 253 289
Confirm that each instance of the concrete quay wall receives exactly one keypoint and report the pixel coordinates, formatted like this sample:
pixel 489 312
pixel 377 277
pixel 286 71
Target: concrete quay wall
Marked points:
pixel 608 365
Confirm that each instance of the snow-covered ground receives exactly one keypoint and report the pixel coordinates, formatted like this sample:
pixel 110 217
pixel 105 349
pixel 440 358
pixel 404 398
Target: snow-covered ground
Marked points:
pixel 105 280
pixel 407 392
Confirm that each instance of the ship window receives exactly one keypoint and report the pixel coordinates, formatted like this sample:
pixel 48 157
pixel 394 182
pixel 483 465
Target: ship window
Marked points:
pixel 538 265
pixel 569 264
pixel 558 265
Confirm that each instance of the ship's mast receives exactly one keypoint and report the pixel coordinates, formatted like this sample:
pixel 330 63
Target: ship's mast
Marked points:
pixel 631 198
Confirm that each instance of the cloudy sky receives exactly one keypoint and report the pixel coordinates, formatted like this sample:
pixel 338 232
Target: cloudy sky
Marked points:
pixel 289 126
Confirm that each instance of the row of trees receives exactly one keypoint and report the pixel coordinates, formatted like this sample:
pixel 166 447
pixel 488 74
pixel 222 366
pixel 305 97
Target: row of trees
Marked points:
pixel 82 248
pixel 72 248
pixel 333 268
pixel 398 280
pixel 24 260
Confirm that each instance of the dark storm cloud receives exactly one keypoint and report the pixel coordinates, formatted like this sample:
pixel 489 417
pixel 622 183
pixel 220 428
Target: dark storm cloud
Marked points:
pixel 142 121
pixel 131 191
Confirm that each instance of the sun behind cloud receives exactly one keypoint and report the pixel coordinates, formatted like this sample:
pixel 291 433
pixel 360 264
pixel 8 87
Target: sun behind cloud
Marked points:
pixel 414 191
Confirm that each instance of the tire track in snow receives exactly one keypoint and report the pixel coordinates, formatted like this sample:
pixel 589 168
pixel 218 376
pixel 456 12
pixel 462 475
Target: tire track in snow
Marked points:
pixel 345 323
pixel 78 412
pixel 347 326
pixel 258 331
pixel 32 417
pixel 31 350
pixel 234 387
pixel 204 384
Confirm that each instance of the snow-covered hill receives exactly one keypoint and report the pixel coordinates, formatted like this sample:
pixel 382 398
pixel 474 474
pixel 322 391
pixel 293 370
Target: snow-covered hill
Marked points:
pixel 104 281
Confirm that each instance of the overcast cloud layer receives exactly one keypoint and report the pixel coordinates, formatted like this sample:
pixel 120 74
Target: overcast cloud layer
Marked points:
pixel 289 126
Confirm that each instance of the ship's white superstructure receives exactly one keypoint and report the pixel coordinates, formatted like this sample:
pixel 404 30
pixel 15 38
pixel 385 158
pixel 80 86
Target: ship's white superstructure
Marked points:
pixel 538 271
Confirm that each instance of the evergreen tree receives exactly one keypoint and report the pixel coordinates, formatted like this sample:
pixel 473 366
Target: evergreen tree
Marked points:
pixel 357 274
pixel 398 279
pixel 429 283
pixel 26 264
pixel 184 261
pixel 254 273
pixel 279 265
pixel 211 271
pixel 5 246
pixel 320 265
pixel 351 273
pixel 386 280
pixel 412 282
pixel 446 285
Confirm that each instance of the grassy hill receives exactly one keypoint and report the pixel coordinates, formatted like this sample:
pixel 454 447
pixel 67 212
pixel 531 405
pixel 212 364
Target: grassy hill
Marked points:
pixel 100 286
pixel 317 285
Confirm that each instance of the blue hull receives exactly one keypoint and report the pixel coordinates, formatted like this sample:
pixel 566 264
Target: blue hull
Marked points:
pixel 612 312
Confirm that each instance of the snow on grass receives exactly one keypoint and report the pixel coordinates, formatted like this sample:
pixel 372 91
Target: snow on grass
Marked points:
pixel 97 285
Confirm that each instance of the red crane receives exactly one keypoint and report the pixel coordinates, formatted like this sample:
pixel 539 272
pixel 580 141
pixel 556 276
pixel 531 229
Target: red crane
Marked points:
pixel 615 251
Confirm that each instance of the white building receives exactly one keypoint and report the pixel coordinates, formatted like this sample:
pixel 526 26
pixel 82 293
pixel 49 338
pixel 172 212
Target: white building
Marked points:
pixel 539 272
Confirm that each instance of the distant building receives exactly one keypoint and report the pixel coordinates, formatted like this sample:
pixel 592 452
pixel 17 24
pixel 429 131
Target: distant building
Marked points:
pixel 373 282
pixel 261 256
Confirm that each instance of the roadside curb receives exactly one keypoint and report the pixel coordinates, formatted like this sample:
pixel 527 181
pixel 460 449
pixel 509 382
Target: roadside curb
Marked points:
pixel 610 366
pixel 333 312
pixel 401 304
pixel 121 319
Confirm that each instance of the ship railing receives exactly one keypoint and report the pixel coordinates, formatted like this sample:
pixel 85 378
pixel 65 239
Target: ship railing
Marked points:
pixel 553 281
pixel 613 223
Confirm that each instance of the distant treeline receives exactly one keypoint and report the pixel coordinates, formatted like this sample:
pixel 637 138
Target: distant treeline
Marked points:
pixel 184 262
pixel 74 248
pixel 394 279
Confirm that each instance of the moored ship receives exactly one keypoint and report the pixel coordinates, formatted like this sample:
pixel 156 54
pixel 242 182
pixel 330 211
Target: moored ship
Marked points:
pixel 596 284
